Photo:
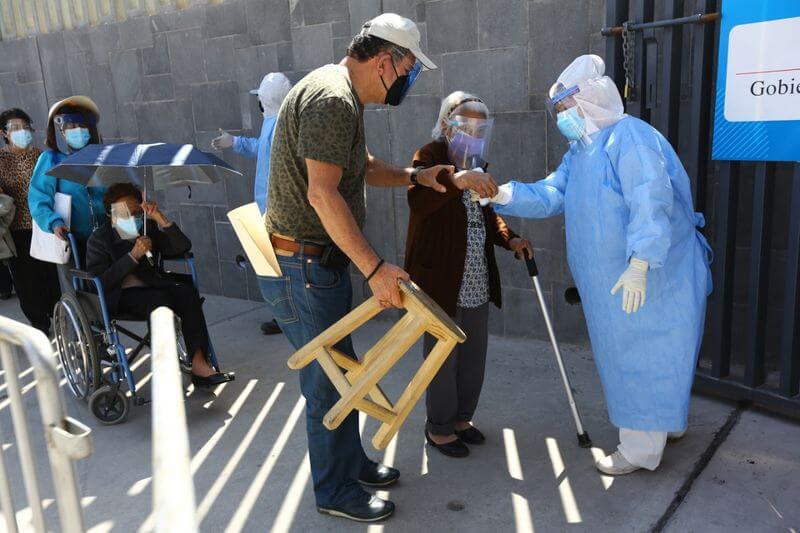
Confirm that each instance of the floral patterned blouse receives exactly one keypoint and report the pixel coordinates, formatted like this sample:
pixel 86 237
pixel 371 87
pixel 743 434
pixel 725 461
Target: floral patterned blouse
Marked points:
pixel 474 290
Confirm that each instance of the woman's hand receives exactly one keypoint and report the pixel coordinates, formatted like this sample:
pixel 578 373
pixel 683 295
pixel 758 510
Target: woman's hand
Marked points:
pixel 522 248
pixel 429 176
pixel 61 232
pixel 480 182
pixel 152 211
pixel 141 247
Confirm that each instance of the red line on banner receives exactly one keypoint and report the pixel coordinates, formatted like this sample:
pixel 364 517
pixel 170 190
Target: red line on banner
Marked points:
pixel 768 71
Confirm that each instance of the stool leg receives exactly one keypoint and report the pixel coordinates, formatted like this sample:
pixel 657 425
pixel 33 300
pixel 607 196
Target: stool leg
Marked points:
pixel 427 371
pixel 354 369
pixel 342 385
pixel 382 358
pixel 338 331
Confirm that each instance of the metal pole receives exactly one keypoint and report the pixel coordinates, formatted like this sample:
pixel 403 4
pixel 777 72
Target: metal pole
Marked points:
pixel 173 489
pixel 66 439
pixel 699 18
pixel 583 437
pixel 23 436
pixel 6 500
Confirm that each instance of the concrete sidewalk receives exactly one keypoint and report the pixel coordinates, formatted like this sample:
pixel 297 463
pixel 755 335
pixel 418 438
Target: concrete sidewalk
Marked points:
pixel 251 470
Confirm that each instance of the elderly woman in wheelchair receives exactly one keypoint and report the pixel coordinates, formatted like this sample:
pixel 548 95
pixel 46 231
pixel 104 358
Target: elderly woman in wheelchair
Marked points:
pixel 126 280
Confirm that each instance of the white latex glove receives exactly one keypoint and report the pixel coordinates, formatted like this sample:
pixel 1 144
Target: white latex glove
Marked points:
pixel 223 142
pixel 634 283
pixel 503 195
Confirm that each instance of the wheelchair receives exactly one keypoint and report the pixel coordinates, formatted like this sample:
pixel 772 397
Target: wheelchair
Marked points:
pixel 95 362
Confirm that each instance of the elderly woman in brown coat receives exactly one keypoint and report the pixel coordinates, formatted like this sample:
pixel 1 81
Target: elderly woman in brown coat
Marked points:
pixel 450 255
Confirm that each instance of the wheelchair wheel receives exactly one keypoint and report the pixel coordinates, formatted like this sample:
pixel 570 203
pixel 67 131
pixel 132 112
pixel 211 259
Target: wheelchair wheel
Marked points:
pixel 109 405
pixel 184 360
pixel 76 347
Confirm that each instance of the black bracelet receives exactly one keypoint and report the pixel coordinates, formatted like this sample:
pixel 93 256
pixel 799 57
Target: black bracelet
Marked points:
pixel 413 177
pixel 375 271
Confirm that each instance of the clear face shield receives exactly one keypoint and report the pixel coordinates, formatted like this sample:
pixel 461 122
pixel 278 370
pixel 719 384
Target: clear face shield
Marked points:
pixel 18 132
pixel 566 111
pixel 127 224
pixel 72 132
pixel 468 141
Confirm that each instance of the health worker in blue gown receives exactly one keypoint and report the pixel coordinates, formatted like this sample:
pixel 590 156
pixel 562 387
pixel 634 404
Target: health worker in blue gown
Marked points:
pixel 271 93
pixel 639 262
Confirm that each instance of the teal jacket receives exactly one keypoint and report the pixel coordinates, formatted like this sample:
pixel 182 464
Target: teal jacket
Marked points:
pixel 42 192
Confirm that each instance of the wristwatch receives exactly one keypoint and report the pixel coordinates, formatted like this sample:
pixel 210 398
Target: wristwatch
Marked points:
pixel 414 175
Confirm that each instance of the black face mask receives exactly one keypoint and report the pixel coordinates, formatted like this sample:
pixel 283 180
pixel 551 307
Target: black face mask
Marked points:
pixel 398 90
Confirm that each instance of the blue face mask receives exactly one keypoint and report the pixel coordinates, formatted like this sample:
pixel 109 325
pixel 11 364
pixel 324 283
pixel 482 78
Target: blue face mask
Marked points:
pixel 77 138
pixel 129 228
pixel 21 138
pixel 571 124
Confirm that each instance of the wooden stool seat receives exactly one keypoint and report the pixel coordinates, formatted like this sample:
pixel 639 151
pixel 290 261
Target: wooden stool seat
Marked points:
pixel 357 381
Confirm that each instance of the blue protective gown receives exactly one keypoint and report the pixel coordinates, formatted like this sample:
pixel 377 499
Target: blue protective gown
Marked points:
pixel 627 195
pixel 259 149
pixel 41 195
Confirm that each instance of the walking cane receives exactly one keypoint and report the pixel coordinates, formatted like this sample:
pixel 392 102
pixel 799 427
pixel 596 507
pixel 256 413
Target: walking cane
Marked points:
pixel 583 437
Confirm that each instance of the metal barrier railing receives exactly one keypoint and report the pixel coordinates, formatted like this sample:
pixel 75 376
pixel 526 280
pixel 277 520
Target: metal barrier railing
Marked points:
pixel 66 439
pixel 173 489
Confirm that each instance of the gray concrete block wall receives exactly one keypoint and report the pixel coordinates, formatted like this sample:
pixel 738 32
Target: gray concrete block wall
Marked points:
pixel 179 75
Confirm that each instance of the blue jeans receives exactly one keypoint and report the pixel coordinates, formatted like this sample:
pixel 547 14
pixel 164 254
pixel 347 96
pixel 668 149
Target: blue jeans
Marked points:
pixel 305 301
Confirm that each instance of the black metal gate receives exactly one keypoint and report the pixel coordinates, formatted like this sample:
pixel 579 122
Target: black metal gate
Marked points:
pixel 663 54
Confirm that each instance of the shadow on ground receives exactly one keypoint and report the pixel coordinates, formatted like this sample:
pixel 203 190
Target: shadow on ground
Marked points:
pixel 251 470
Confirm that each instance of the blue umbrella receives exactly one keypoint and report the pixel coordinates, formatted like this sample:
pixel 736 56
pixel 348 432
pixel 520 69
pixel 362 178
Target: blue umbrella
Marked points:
pixel 169 165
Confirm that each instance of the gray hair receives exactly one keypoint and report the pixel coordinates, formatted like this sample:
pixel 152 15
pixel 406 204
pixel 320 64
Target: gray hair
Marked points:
pixel 458 101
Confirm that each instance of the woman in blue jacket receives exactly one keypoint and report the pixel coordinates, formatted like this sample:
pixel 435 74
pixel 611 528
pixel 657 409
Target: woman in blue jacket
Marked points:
pixel 71 125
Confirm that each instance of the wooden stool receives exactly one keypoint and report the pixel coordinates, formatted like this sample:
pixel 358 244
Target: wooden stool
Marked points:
pixel 360 379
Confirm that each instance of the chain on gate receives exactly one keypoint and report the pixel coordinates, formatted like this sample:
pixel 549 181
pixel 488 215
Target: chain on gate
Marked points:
pixel 628 55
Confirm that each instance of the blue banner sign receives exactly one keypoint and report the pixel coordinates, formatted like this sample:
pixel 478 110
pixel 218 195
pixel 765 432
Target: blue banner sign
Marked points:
pixel 757 114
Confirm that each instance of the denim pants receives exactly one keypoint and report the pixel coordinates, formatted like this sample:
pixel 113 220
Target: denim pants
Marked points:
pixel 305 301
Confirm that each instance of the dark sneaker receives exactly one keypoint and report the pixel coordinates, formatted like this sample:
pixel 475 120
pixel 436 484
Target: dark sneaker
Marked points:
pixel 270 328
pixel 378 475
pixel 372 509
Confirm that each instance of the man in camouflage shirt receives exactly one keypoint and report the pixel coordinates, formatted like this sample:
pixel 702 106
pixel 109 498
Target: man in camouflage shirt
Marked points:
pixel 319 167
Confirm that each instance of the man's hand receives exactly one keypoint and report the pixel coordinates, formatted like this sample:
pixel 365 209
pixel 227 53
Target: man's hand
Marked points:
pixel 429 176
pixel 523 249
pixel 223 142
pixel 384 285
pixel 152 211
pixel 141 247
pixel 61 232
pixel 480 182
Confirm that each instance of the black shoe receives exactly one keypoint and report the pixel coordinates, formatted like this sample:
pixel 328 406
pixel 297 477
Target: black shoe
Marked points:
pixel 270 328
pixel 378 475
pixel 213 380
pixel 450 449
pixel 371 510
pixel 5 295
pixel 471 435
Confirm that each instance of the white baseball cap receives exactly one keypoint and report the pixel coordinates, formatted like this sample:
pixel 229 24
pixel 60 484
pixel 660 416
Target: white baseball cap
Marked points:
pixel 400 31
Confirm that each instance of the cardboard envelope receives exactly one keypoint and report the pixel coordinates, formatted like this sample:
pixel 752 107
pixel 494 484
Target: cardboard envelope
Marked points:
pixel 249 226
